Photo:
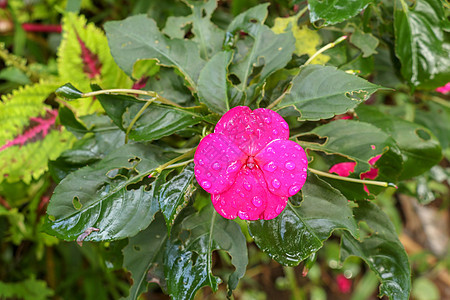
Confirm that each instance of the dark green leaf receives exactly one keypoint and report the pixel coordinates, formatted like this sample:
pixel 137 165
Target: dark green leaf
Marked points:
pixel 143 257
pixel 299 232
pixel 436 118
pixel 109 196
pixel 421 43
pixel 334 11
pixel 206 34
pixel 419 147
pixel 174 194
pixel 188 263
pixel 213 83
pixel 321 92
pixel 366 42
pixel 68 91
pixel 381 250
pixel 70 122
pixel 357 141
pixel 138 37
pixel 268 53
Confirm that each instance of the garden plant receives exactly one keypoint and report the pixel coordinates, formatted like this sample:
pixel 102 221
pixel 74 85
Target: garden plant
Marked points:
pixel 167 147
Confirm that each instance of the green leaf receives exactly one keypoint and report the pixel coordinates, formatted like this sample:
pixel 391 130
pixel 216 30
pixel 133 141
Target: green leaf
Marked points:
pixel 366 42
pixel 187 263
pixel 300 231
pixel 158 121
pixel 206 34
pixel 421 43
pixel 143 257
pixel 321 92
pixel 174 194
pixel 111 195
pixel 213 83
pixel 70 122
pixel 381 250
pixel 419 148
pixel 357 141
pixel 334 11
pixel 68 91
pixel 436 118
pixel 138 37
pixel 29 289
pixel 268 53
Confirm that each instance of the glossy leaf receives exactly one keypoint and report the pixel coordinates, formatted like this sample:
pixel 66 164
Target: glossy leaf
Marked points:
pixel 321 92
pixel 421 43
pixel 300 231
pixel 143 257
pixel 207 35
pixel 187 262
pixel 174 194
pixel 419 148
pixel 68 91
pixel 357 141
pixel 108 195
pixel 334 11
pixel 381 250
pixel 138 37
pixel 213 83
pixel 268 53
pixel 436 118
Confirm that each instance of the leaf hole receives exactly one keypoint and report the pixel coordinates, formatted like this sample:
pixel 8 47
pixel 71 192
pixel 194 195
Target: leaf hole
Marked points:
pixel 76 203
pixel 253 21
pixel 194 258
pixel 422 134
pixel 313 138
pixel 234 79
pixel 360 95
pixel 204 14
pixel 144 182
pixel 134 161
pixel 136 248
pixel 188 34
pixel 319 23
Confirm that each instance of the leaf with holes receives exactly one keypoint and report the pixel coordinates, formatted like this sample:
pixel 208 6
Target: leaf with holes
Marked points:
pixel 138 37
pixel 173 194
pixel 381 250
pixel 330 12
pixel 187 263
pixel 112 195
pixel 419 148
pixel 143 257
pixel 299 232
pixel 421 43
pixel 321 92
pixel 206 34
pixel 268 53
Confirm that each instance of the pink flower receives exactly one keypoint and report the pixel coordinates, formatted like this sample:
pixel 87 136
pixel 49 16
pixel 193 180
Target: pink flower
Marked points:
pixel 344 284
pixel 444 89
pixel 249 166
pixel 344 169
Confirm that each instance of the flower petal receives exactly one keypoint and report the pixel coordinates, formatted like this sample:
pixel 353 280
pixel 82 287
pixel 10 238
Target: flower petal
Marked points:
pixel 217 162
pixel 249 198
pixel 252 131
pixel 284 165
pixel 343 169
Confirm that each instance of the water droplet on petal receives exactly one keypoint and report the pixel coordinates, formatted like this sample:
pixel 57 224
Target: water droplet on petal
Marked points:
pixel 276 183
pixel 247 186
pixel 243 215
pixel 233 167
pixel 208 174
pixel 270 149
pixel 242 195
pixel 216 166
pixel 290 165
pixel 268 120
pixel 279 209
pixel 197 172
pixel 206 184
pixel 200 162
pixel 270 167
pixel 275 132
pixel 294 190
pixel 285 125
pixel 257 201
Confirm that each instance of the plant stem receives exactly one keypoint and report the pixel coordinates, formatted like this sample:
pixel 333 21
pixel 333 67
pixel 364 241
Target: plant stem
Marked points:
pixel 179 164
pixel 278 100
pixel 325 48
pixel 136 117
pixel 370 182
pixel 172 162
pixel 132 91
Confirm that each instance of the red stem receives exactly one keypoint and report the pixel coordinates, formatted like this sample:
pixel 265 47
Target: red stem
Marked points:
pixel 34 27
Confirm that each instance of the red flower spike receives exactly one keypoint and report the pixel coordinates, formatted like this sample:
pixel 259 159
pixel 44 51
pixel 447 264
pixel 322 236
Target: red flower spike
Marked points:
pixel 249 166
pixel 344 284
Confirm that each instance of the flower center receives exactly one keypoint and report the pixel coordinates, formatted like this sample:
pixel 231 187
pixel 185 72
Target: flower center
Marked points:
pixel 251 162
